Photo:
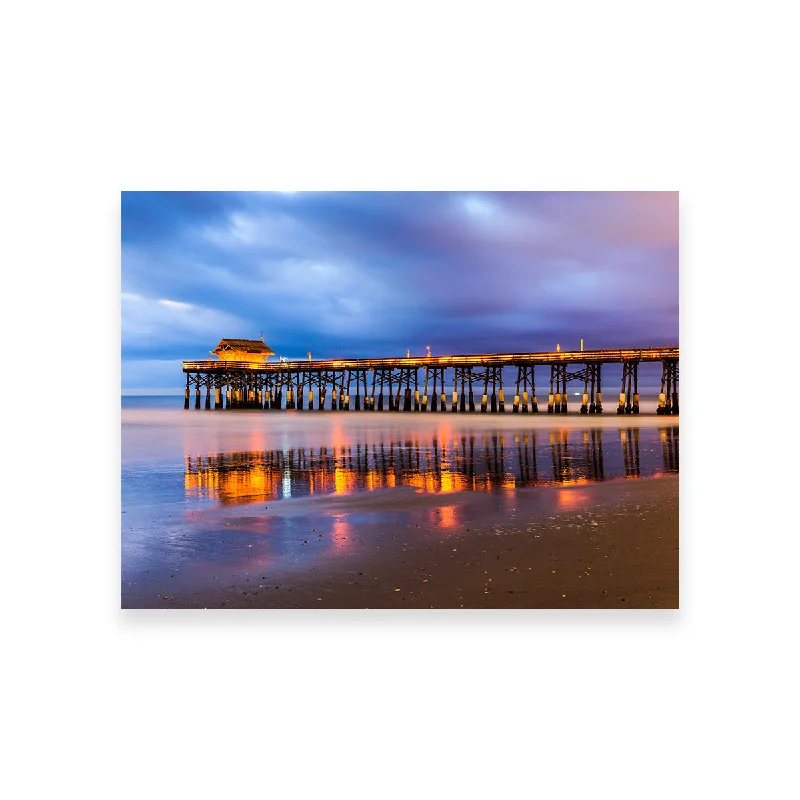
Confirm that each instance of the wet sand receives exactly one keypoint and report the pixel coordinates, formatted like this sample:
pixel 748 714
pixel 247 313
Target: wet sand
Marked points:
pixel 609 544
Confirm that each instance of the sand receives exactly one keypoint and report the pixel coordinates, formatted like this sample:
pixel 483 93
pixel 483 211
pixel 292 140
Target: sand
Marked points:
pixel 609 544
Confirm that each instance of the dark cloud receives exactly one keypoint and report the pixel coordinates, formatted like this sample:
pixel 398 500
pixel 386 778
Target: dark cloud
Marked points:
pixel 376 273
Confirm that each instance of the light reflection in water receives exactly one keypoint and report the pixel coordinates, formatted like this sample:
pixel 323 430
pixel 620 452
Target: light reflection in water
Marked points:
pixel 483 462
pixel 570 499
pixel 341 534
pixel 448 517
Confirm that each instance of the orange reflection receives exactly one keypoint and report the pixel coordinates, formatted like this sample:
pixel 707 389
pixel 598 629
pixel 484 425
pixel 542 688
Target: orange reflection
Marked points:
pixel 341 535
pixel 253 483
pixel 434 465
pixel 338 436
pixel 452 482
pixel 449 518
pixel 344 482
pixel 571 498
pixel 444 518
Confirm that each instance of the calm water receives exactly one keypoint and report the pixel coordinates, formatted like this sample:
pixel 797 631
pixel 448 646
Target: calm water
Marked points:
pixel 206 490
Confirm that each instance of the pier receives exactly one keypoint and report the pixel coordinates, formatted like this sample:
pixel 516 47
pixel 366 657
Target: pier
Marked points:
pixel 242 378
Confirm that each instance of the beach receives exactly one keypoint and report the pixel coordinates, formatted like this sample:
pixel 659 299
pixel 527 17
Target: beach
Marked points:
pixel 612 545
pixel 473 514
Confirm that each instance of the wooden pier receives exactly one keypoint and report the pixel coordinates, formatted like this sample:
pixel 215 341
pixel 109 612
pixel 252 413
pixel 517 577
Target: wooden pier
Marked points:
pixel 417 384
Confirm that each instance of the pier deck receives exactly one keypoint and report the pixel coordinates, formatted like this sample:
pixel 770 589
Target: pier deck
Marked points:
pixel 289 384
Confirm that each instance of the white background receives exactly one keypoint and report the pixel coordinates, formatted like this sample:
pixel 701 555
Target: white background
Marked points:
pixel 101 97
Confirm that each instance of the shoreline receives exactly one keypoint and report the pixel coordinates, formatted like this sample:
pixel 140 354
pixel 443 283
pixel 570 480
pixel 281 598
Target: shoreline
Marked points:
pixel 592 545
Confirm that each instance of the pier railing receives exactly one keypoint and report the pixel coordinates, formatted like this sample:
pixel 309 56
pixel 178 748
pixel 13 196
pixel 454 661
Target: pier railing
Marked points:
pixel 420 362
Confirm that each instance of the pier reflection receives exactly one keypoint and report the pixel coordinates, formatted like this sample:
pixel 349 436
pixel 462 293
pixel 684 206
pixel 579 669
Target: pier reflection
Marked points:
pixel 479 462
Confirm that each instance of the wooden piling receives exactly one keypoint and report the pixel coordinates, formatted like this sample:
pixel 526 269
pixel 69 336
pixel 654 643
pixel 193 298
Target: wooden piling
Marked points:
pixel 598 402
pixel 585 398
pixel 623 390
pixel 501 402
pixel 664 398
pixel 399 389
pixel 471 396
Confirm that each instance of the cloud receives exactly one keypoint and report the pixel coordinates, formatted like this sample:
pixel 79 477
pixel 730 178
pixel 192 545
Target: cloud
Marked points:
pixel 375 273
pixel 149 324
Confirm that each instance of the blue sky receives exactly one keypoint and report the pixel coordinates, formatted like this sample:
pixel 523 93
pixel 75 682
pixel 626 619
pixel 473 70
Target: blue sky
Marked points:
pixel 361 274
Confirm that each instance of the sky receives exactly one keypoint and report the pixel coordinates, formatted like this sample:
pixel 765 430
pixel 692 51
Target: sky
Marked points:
pixel 377 274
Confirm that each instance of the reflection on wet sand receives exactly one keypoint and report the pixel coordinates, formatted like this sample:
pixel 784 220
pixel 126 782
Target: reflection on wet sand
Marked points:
pixel 481 462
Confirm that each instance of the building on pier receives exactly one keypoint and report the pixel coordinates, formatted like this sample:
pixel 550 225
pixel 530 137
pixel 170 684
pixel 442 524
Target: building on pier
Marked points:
pixel 251 351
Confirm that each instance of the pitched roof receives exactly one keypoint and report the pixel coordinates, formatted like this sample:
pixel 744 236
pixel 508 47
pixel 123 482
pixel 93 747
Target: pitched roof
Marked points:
pixel 248 345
